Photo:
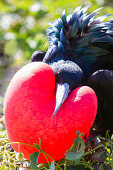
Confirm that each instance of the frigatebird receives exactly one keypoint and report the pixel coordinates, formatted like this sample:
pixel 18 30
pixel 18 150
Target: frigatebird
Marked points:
pixel 81 53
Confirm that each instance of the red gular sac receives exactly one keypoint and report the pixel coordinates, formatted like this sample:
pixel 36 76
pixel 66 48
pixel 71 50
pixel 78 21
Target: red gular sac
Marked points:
pixel 29 105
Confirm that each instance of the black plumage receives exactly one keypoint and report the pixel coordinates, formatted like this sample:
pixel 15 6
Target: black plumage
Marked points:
pixel 68 72
pixel 85 43
pixel 102 83
pixel 38 56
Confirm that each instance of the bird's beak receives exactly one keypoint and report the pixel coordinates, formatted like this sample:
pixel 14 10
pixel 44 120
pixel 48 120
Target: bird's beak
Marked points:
pixel 62 93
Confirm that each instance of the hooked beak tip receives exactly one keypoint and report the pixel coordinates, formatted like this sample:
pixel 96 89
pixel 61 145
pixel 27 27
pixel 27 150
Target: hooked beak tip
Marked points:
pixel 56 110
pixel 53 115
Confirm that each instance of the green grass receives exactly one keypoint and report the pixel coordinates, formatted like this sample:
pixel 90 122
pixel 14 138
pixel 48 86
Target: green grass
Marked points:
pixel 89 155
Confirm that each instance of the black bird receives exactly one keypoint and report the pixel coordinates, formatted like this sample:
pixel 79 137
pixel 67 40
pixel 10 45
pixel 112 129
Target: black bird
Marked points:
pixel 81 53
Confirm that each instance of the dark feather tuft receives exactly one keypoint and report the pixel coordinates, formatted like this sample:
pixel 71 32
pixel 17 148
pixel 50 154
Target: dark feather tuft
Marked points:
pixel 81 37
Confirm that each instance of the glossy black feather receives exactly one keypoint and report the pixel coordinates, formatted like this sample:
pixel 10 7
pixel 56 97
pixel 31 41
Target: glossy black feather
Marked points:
pixel 68 72
pixel 102 83
pixel 83 39
pixel 38 56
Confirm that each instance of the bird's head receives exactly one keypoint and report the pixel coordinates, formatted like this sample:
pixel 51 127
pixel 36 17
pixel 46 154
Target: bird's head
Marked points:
pixel 68 76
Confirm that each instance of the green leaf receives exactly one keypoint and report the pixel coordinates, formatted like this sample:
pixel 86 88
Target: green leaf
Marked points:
pixel 34 158
pixel 52 166
pixel 69 168
pixel 4 167
pixel 79 134
pixel 101 167
pixel 77 150
pixel 73 156
pixel 80 167
pixel 77 141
